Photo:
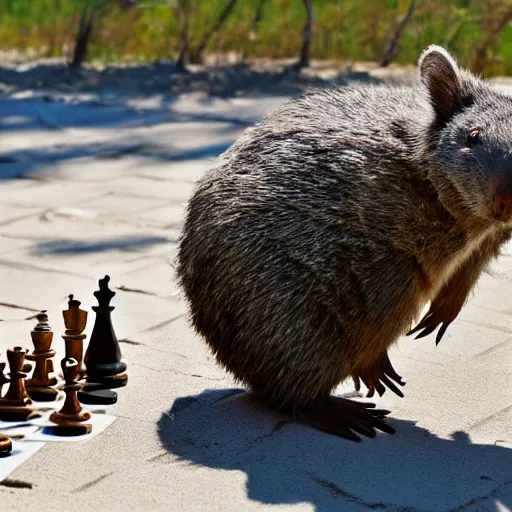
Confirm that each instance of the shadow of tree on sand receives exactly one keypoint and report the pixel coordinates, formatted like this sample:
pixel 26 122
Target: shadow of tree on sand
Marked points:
pixel 70 247
pixel 289 463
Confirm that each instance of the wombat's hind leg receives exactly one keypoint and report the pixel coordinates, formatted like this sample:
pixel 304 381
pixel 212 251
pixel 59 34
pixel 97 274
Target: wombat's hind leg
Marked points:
pixel 374 378
pixel 345 418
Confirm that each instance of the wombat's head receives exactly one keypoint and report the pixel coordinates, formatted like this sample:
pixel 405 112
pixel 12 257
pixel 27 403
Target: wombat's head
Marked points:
pixel 470 138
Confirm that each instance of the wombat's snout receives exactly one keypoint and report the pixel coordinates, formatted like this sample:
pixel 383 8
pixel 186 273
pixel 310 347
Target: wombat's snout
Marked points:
pixel 501 194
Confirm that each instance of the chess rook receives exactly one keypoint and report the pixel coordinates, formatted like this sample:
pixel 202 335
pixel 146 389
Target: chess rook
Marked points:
pixel 70 420
pixel 105 369
pixel 39 387
pixel 75 320
pixel 16 404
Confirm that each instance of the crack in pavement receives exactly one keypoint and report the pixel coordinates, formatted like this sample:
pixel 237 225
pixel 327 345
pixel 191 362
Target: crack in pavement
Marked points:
pixel 479 499
pixel 162 324
pixel 131 342
pixel 483 421
pixel 277 427
pixel 37 268
pixel 135 290
pixel 176 372
pixel 488 326
pixel 337 492
pixel 92 483
pixel 16 306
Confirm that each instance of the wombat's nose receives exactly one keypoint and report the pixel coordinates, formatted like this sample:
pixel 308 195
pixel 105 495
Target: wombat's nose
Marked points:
pixel 502 202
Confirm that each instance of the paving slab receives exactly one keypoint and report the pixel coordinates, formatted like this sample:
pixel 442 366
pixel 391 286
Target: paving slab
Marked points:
pixel 92 186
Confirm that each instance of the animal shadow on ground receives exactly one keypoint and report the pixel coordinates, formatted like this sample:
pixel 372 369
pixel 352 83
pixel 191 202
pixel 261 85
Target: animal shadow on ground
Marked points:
pixel 288 463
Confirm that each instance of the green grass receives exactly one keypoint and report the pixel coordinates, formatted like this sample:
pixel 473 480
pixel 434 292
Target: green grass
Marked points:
pixel 344 30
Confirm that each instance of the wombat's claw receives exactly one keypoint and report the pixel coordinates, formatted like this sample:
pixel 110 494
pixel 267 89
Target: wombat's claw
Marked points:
pixel 428 325
pixel 377 376
pixel 345 418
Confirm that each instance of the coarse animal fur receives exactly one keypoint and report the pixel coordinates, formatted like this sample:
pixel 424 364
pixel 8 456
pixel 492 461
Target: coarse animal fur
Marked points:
pixel 317 239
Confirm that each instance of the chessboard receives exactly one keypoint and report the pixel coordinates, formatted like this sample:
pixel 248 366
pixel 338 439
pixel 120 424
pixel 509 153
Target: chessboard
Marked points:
pixel 40 403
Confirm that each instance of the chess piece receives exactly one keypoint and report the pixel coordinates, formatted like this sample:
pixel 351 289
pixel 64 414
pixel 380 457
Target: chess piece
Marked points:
pixel 105 370
pixel 3 378
pixel 16 404
pixel 75 320
pixel 39 387
pixel 5 446
pixel 70 419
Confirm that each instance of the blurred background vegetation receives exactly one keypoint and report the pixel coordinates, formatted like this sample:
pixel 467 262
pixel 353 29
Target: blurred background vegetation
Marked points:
pixel 479 32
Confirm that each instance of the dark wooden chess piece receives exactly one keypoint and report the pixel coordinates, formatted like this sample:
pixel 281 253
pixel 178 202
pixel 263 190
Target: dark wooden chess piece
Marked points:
pixel 5 446
pixel 39 387
pixel 3 378
pixel 70 419
pixel 16 404
pixel 105 370
pixel 75 320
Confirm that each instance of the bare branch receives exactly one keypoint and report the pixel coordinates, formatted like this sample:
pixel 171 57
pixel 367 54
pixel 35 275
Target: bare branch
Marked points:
pixel 495 21
pixel 391 48
pixel 197 54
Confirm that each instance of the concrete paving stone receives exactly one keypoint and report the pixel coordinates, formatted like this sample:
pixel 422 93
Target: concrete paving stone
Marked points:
pixel 8 244
pixel 184 171
pixel 10 214
pixel 152 275
pixel 81 225
pixel 246 109
pixel 113 262
pixel 172 190
pixel 82 169
pixel 118 204
pixel 10 188
pixel 168 216
pixel 54 194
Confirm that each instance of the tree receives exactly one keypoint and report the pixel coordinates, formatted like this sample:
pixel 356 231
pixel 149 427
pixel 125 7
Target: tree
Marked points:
pixel 497 15
pixel 306 37
pixel 196 55
pixel 391 48
pixel 256 19
pixel 86 24
pixel 183 10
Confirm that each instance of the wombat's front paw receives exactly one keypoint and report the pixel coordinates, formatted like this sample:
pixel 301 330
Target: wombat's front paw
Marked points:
pixel 441 313
pixel 376 376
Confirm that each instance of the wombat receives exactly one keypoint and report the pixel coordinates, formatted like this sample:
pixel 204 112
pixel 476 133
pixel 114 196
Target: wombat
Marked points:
pixel 316 240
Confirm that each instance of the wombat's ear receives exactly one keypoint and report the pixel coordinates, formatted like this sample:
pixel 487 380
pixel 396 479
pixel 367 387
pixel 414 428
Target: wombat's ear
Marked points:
pixel 440 75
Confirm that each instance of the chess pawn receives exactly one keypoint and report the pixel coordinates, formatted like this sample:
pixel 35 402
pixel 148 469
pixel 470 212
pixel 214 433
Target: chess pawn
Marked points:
pixel 103 357
pixel 16 404
pixel 70 419
pixel 5 446
pixel 39 386
pixel 75 320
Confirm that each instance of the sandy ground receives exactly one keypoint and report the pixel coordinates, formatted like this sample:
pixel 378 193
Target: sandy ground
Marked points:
pixel 95 168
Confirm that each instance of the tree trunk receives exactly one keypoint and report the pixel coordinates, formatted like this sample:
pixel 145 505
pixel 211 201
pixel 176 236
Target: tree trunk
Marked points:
pixel 181 61
pixel 84 32
pixel 391 48
pixel 491 36
pixel 258 14
pixel 197 54
pixel 81 46
pixel 306 37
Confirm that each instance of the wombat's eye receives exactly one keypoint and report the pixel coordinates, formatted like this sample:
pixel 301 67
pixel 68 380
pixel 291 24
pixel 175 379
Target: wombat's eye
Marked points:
pixel 473 136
